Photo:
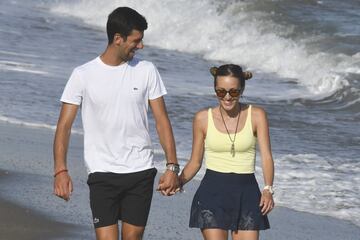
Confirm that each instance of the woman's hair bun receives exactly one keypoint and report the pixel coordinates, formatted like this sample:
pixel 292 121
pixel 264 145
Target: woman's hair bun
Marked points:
pixel 247 75
pixel 213 71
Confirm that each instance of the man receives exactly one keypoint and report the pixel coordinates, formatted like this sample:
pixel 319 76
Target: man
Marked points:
pixel 115 91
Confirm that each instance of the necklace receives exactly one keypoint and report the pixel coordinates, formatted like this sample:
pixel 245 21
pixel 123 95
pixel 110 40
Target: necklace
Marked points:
pixel 232 150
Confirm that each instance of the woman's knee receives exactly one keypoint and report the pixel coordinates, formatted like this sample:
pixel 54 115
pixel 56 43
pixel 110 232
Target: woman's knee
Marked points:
pixel 214 234
pixel 245 235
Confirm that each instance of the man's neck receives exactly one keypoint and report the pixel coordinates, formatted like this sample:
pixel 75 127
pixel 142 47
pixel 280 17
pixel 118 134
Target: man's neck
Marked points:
pixel 109 57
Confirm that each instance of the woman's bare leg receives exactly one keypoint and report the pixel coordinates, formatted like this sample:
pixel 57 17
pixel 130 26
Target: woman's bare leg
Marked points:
pixel 245 235
pixel 214 234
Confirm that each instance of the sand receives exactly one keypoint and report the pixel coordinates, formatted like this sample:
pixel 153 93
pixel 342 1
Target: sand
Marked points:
pixel 29 210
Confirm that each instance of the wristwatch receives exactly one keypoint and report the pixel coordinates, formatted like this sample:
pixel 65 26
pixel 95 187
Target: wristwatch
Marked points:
pixel 270 189
pixel 173 167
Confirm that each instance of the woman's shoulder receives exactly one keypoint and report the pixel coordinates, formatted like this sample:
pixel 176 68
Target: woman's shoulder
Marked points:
pixel 201 118
pixel 202 114
pixel 257 109
pixel 258 112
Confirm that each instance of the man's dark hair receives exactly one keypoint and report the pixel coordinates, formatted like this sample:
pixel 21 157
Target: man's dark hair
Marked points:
pixel 123 20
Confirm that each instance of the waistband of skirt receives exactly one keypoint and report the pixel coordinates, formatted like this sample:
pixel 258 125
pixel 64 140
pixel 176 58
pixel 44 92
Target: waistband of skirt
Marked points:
pixel 229 178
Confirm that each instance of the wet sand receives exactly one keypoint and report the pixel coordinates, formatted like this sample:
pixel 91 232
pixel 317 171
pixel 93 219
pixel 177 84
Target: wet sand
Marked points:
pixel 28 209
pixel 23 223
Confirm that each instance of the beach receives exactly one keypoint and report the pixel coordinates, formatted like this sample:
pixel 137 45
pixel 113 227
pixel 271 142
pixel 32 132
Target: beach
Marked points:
pixel 23 223
pixel 305 60
pixel 29 210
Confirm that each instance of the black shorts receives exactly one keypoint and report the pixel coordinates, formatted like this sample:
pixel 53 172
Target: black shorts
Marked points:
pixel 126 197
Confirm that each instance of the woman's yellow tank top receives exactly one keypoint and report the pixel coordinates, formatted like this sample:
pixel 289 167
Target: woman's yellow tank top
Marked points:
pixel 218 155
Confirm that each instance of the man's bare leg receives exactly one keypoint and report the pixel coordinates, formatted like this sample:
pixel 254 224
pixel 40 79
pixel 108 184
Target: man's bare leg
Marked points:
pixel 131 232
pixel 107 233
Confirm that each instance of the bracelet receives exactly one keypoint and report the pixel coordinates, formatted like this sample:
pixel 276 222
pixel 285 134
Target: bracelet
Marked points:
pixel 270 189
pixel 167 164
pixel 61 171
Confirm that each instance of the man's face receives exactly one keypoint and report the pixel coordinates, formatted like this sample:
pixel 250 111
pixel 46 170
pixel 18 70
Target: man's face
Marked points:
pixel 133 42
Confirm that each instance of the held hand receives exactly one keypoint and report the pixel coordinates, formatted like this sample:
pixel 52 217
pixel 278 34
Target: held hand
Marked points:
pixel 168 183
pixel 63 186
pixel 266 202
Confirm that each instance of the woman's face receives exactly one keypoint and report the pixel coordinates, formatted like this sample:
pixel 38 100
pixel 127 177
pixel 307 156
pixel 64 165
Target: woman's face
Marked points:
pixel 232 87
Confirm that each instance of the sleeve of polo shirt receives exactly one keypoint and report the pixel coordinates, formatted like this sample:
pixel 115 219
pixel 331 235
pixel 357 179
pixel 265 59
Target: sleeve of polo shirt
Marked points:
pixel 73 92
pixel 156 86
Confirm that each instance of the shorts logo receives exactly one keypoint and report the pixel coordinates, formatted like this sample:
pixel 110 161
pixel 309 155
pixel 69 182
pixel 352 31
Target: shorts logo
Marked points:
pixel 96 220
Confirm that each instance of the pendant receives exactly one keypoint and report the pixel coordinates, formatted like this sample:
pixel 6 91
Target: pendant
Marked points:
pixel 232 151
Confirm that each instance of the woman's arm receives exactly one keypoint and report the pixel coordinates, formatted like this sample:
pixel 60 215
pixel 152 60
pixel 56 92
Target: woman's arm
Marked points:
pixel 261 128
pixel 195 162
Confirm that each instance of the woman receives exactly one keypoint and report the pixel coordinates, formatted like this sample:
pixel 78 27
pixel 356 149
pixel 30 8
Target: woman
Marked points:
pixel 229 197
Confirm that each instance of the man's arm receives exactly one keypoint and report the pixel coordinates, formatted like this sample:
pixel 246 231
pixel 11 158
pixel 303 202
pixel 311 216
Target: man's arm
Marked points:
pixel 62 181
pixel 169 181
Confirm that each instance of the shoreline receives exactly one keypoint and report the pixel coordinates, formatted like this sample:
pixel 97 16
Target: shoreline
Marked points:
pixel 26 195
pixel 168 220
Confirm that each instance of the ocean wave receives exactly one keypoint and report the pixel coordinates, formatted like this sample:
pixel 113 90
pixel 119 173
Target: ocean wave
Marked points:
pixel 20 67
pixel 34 124
pixel 231 32
pixel 347 98
pixel 18 54
pixel 310 183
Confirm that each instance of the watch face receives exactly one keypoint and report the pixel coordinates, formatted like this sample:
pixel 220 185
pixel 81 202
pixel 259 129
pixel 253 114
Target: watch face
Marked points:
pixel 174 168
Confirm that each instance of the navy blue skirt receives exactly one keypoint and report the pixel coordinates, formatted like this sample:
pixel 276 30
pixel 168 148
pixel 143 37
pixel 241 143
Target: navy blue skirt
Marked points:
pixel 228 201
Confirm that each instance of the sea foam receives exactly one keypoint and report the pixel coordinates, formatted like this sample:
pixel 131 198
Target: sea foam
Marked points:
pixel 230 33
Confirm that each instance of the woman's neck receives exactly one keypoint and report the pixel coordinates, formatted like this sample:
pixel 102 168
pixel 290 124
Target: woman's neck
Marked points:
pixel 232 113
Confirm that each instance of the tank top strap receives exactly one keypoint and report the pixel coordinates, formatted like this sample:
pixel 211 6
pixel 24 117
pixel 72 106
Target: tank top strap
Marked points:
pixel 248 123
pixel 211 125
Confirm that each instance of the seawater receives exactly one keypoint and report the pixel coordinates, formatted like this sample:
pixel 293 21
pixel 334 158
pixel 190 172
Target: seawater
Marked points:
pixel 304 55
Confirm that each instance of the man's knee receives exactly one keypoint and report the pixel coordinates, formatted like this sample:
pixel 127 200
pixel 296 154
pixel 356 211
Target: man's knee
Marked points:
pixel 131 232
pixel 107 233
pixel 131 236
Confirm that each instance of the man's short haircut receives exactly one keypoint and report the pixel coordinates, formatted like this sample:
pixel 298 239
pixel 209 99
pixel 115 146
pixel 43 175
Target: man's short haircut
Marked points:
pixel 123 20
